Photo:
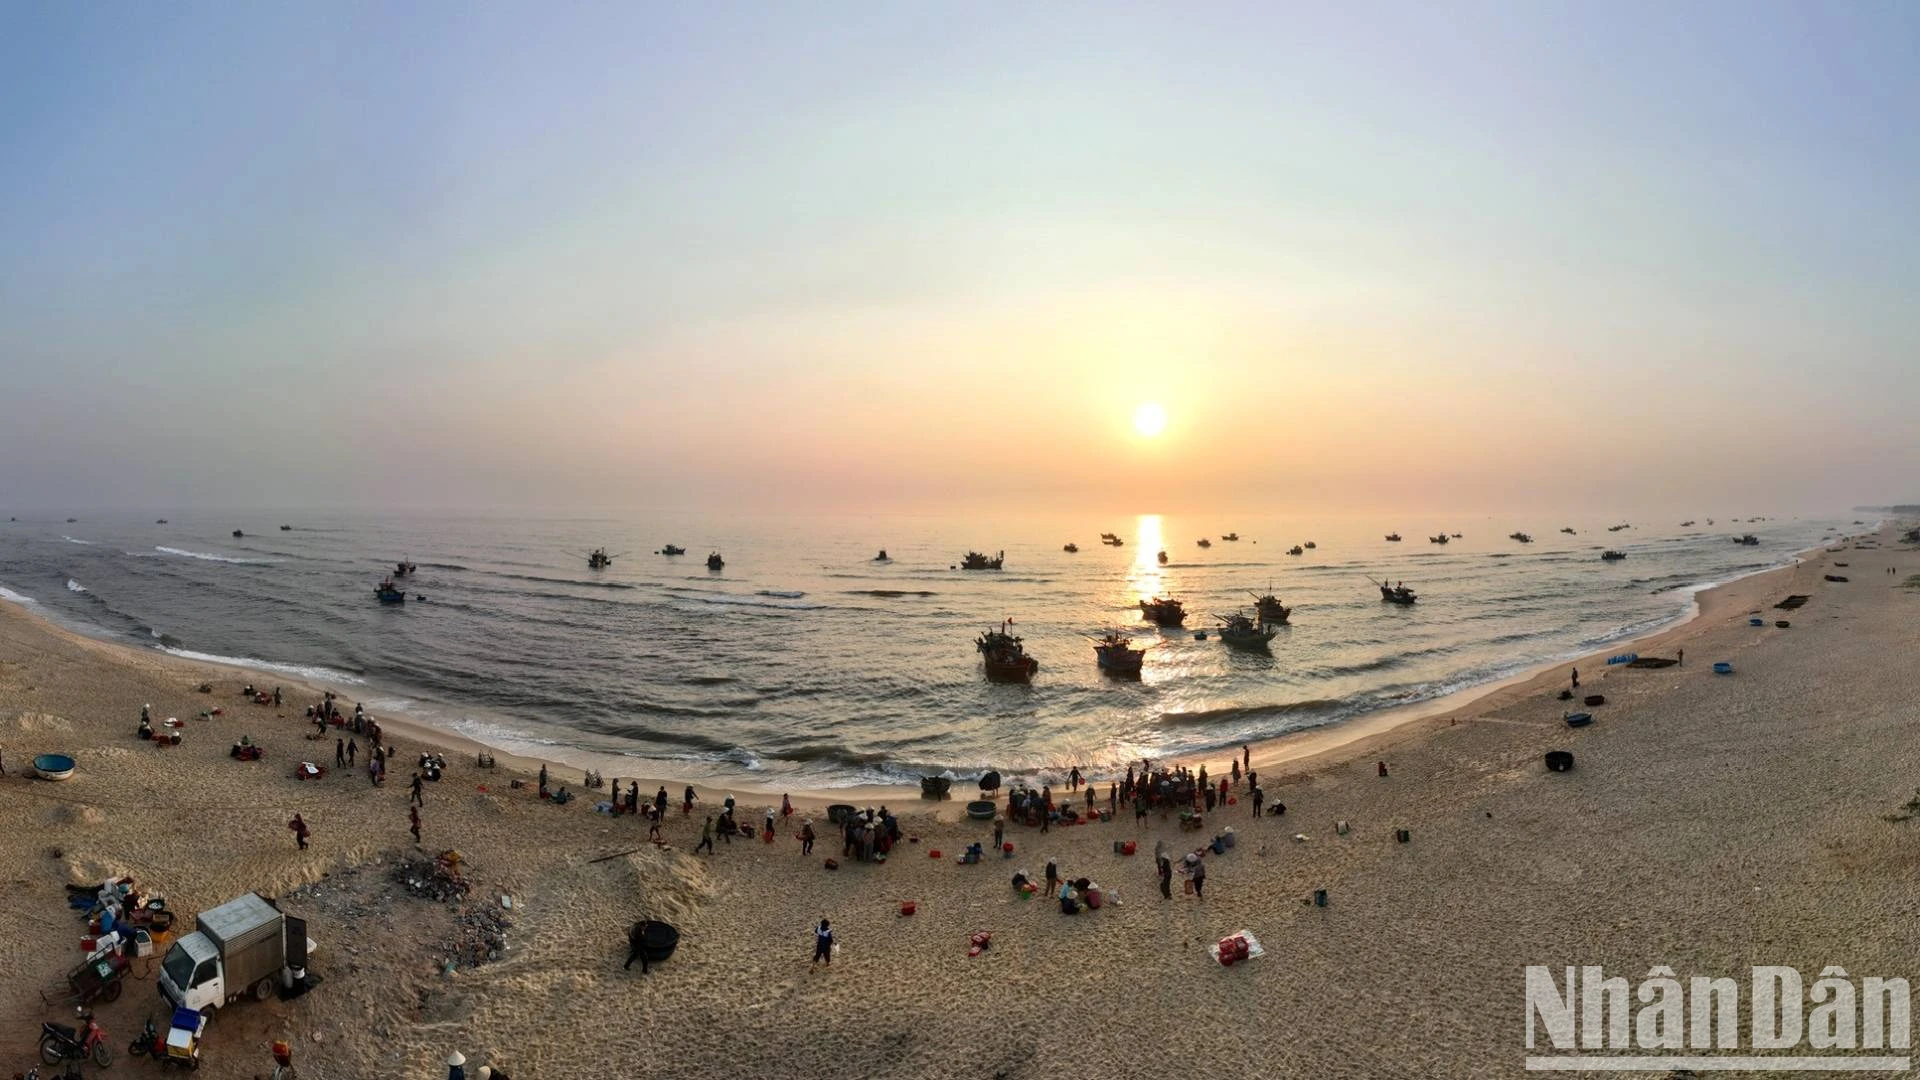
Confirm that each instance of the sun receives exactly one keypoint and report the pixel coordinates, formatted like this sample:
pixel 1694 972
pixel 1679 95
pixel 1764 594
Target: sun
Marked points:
pixel 1149 419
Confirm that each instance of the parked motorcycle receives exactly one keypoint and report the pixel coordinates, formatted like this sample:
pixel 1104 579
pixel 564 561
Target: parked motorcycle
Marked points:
pixel 150 1041
pixel 58 1042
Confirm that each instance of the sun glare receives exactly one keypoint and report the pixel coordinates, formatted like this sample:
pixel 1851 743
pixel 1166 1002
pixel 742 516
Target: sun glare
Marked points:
pixel 1149 419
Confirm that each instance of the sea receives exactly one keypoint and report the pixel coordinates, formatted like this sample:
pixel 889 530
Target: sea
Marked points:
pixel 807 663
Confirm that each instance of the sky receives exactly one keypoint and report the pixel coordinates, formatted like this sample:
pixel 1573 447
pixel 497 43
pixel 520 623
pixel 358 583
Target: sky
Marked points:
pixel 1475 256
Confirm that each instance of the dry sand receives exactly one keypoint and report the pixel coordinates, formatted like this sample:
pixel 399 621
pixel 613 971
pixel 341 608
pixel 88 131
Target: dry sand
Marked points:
pixel 1712 823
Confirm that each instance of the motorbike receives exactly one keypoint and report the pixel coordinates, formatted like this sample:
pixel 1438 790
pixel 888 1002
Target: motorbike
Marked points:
pixel 150 1041
pixel 58 1042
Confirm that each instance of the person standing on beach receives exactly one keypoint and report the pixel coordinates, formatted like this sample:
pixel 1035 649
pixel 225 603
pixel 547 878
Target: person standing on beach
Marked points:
pixel 413 822
pixel 1166 877
pixel 999 833
pixel 300 831
pixel 353 751
pixel 543 780
pixel 1053 876
pixel 706 836
pixel 1200 878
pixel 786 808
pixel 660 802
pixel 633 797
pixel 1073 778
pixel 416 798
pixel 1246 757
pixel 1236 770
pixel 1576 678
pixel 806 838
pixel 653 828
pixel 823 943
pixel 339 752
pixel 1258 798
pixel 686 805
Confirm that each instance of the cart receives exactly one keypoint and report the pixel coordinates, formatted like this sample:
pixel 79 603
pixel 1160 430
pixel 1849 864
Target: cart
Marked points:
pixel 98 979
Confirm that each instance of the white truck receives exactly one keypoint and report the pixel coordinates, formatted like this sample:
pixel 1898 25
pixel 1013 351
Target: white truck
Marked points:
pixel 245 946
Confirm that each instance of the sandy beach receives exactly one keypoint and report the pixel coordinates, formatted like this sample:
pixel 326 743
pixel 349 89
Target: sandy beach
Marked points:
pixel 1712 823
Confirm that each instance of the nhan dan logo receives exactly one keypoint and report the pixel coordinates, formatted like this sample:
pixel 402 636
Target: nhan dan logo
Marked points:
pixel 1829 1023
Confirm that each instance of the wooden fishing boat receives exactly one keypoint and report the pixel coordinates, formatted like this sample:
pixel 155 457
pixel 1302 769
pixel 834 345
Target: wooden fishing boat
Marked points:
pixel 1270 610
pixel 598 559
pixel 1203 542
pixel 1441 539
pixel 672 549
pixel 979 561
pixel 1401 595
pixel 1117 656
pixel 1296 550
pixel 1230 537
pixel 1071 549
pixel 1393 538
pixel 1612 556
pixel 1004 656
pixel 1163 558
pixel 1520 536
pixel 1240 632
pixel 715 562
pixel 389 593
pixel 1161 612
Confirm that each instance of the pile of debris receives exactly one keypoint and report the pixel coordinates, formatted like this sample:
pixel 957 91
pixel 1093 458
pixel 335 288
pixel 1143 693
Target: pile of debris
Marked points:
pixel 479 936
pixel 439 880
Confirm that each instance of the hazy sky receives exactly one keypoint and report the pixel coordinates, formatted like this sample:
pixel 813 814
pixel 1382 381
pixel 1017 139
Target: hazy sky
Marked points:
pixel 1460 256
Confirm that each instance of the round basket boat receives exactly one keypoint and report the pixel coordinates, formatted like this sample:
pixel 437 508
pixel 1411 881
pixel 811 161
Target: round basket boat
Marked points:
pixel 654 940
pixel 982 809
pixel 838 813
pixel 53 766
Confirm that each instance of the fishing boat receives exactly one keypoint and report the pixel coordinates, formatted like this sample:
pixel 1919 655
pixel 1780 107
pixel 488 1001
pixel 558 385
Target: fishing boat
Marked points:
pixel 1311 545
pixel 1612 556
pixel 1393 538
pixel 715 562
pixel 1686 524
pixel 286 528
pixel 1203 542
pixel 1109 538
pixel 1270 610
pixel 1520 536
pixel 1117 656
pixel 1749 540
pixel 598 559
pixel 160 521
pixel 1441 539
pixel 1296 550
pixel 1397 594
pixel 1617 528
pixel 1161 612
pixel 1240 632
pixel 1456 536
pixel 402 568
pixel 1568 530
pixel 72 520
pixel 1231 537
pixel 1071 548
pixel 882 557
pixel 672 549
pixel 977 561
pixel 1005 657
pixel 237 534
pixel 389 593
pixel 1162 557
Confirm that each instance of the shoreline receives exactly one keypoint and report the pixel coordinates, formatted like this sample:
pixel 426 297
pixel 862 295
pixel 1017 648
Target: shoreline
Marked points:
pixel 1291 753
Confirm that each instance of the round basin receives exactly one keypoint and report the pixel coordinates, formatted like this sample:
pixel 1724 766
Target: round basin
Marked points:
pixel 982 809
pixel 53 766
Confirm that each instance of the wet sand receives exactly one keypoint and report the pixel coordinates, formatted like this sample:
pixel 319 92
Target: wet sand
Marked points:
pixel 1712 822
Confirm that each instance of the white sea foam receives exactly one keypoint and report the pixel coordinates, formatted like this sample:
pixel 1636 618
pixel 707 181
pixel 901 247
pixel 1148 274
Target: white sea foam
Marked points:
pixel 18 598
pixel 74 586
pixel 301 671
pixel 207 556
pixel 71 540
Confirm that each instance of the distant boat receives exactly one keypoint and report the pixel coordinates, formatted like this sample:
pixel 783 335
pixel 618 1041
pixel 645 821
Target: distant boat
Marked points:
pixel 286 528
pixel 1203 542
pixel 1163 558
pixel 72 520
pixel 237 533
pixel 160 521
pixel 1617 528
pixel 1311 545
pixel 1456 536
pixel 1163 612
pixel 1686 524
pixel 1520 536
pixel 1397 594
pixel 1270 610
pixel 1117 656
pixel 1071 548
pixel 1296 550
pixel 979 561
pixel 598 559
pixel 1004 656
pixel 1231 536
pixel 672 549
pixel 1441 539
pixel 402 568
pixel 1749 540
pixel 389 593
pixel 882 557
pixel 1111 540
pixel 1568 530
pixel 1241 632
pixel 715 562
pixel 1393 538
pixel 1612 556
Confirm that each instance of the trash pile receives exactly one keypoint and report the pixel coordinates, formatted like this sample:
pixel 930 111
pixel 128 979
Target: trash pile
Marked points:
pixel 479 937
pixel 439 880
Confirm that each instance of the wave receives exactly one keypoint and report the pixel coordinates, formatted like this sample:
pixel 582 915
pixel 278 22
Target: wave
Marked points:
pixel 302 671
pixel 570 581
pixel 1209 717
pixel 784 594
pixel 18 598
pixel 208 556
pixel 890 593
pixel 72 540
pixel 74 586
pixel 442 566
pixel 747 601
